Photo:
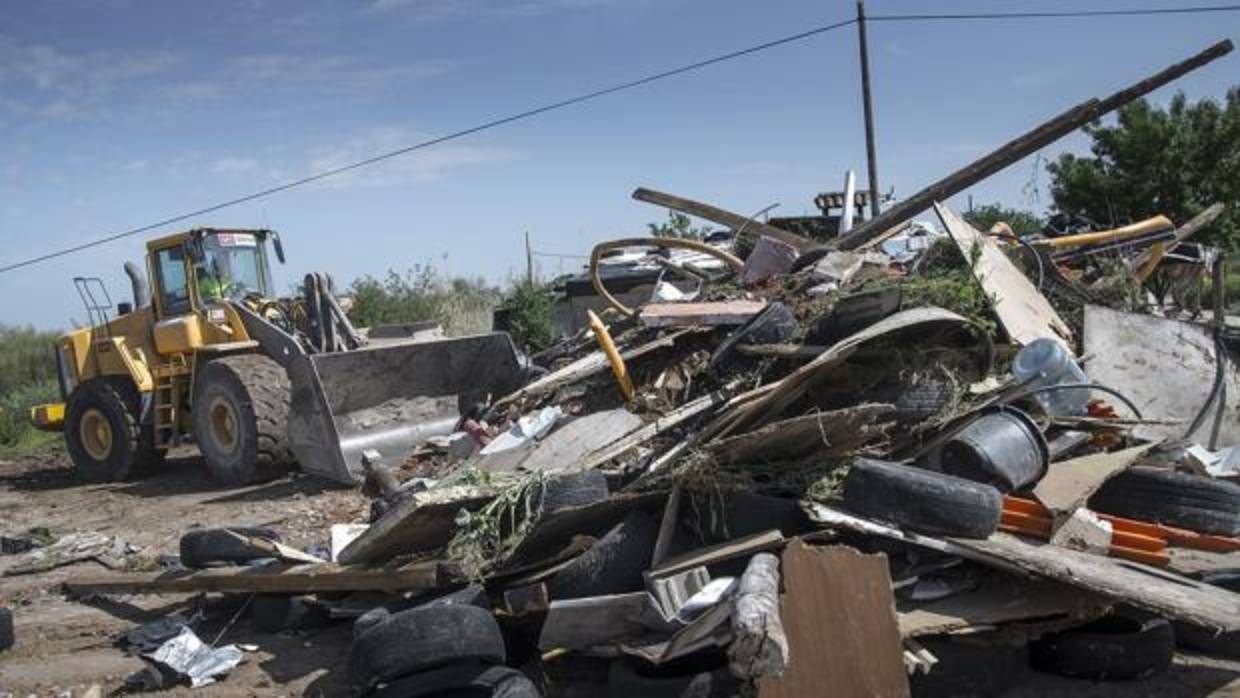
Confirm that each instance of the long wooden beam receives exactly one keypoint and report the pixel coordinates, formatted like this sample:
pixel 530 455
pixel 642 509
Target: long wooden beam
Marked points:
pixel 735 221
pixel 281 579
pixel 1023 146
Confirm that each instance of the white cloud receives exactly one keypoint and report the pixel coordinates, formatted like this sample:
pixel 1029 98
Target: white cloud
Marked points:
pixel 234 165
pixel 331 73
pixel 419 166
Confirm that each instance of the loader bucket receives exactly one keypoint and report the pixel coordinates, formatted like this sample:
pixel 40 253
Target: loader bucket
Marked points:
pixel 390 398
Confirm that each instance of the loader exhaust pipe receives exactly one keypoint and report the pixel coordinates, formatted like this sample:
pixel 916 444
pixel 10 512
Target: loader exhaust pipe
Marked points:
pixel 137 281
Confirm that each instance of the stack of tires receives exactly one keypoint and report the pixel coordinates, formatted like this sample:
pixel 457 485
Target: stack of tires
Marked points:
pixel 436 649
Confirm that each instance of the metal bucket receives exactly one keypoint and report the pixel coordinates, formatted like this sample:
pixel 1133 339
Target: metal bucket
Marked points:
pixel 1003 448
pixel 390 398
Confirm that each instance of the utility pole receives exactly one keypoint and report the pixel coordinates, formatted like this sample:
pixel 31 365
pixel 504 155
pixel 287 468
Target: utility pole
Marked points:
pixel 870 156
pixel 529 260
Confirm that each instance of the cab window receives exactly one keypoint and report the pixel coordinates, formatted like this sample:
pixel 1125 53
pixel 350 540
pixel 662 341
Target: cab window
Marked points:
pixel 174 289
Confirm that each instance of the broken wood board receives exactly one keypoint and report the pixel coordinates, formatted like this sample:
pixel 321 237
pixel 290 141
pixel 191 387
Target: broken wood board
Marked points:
pixel 1153 589
pixel 423 521
pixel 1023 311
pixel 275 579
pixel 652 429
pixel 772 403
pixel 721 552
pixel 709 313
pixel 718 215
pixel 999 601
pixel 840 619
pixel 574 624
pixel 564 448
pixel 1067 485
pixel 589 365
pixel 833 433
pixel 1166 367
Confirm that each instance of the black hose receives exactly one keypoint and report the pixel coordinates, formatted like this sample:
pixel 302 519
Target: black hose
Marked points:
pixel 1091 386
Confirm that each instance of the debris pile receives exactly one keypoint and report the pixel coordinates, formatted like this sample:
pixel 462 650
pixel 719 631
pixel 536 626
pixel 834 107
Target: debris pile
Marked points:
pixel 923 457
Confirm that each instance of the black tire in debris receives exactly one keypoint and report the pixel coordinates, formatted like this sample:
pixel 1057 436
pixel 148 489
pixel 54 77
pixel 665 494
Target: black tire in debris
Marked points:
pixel 6 629
pixel 462 681
pixel 917 401
pixel 275 612
pixel 240 418
pixel 473 595
pixel 613 565
pixel 970 668
pixel 425 638
pixel 573 490
pixel 624 681
pixel 775 324
pixel 218 546
pixel 921 500
pixel 1113 647
pixel 741 514
pixel 103 433
pixel 1175 499
pixel 1207 641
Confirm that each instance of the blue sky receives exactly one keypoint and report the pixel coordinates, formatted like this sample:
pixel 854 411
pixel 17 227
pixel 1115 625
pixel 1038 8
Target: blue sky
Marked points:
pixel 118 113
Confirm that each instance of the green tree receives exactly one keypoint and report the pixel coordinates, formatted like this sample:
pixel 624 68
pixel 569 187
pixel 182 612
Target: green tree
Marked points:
pixel 1022 222
pixel 1175 161
pixel 678 225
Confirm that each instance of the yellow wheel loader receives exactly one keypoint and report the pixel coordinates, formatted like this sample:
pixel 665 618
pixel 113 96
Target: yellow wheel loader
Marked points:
pixel 210 355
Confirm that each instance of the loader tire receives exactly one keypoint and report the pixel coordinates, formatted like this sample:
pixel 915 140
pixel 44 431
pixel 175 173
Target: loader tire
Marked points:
pixel 103 434
pixel 240 412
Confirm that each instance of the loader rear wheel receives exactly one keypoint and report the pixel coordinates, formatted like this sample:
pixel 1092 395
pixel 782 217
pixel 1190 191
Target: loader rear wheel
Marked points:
pixel 102 432
pixel 241 419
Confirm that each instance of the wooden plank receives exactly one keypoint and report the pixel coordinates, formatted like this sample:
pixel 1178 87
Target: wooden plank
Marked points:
pixel 1067 485
pixel 281 579
pixel 1182 233
pixel 766 540
pixel 652 429
pixel 715 214
pixel 566 448
pixel 1153 589
pixel 1022 146
pixel 999 601
pixel 423 521
pixel 1023 311
pixel 832 433
pixel 709 314
pixel 1166 367
pixel 840 619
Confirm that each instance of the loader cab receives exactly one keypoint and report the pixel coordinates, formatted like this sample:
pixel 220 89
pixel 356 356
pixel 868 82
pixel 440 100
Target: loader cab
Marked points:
pixel 194 270
pixel 196 274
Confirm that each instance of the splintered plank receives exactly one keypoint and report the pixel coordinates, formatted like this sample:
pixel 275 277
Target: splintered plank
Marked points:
pixel 1023 311
pixel 278 579
pixel 840 619
pixel 710 313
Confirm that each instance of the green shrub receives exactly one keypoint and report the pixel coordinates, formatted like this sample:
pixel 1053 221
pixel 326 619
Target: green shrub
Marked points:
pixel 25 357
pixel 16 433
pixel 462 306
pixel 531 322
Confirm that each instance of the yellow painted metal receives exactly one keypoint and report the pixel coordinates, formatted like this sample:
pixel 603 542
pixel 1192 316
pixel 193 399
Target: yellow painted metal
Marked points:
pixel 1157 251
pixel 95 434
pixel 613 356
pixel 48 417
pixel 178 335
pixel 1149 225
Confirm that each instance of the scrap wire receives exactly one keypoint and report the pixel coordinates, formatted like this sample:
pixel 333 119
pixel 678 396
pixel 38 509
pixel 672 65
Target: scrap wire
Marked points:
pixel 1092 386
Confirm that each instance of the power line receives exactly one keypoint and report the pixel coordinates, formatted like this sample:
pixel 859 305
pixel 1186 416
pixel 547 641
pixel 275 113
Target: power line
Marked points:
pixel 1199 9
pixel 441 139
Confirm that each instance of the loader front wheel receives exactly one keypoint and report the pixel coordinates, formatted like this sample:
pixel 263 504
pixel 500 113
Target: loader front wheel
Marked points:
pixel 240 418
pixel 102 433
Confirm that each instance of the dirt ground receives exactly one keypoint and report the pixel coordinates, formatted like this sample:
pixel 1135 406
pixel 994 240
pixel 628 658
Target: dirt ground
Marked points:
pixel 66 646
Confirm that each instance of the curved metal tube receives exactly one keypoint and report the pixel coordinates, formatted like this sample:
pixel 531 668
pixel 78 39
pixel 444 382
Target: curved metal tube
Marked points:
pixel 671 243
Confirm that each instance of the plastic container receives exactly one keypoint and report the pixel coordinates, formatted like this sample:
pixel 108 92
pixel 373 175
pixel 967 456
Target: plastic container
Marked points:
pixel 1045 362
pixel 1003 448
